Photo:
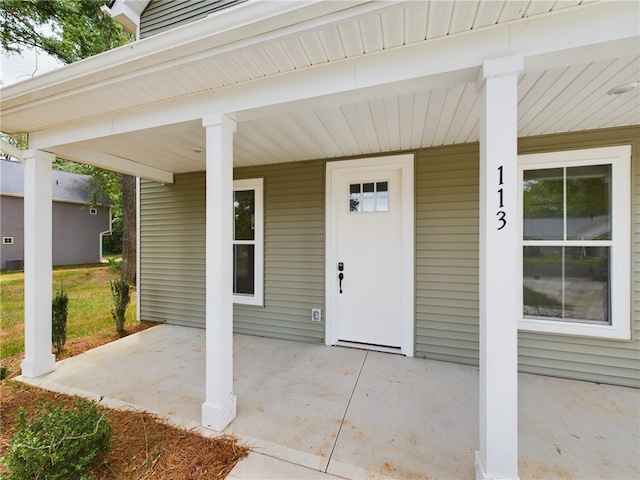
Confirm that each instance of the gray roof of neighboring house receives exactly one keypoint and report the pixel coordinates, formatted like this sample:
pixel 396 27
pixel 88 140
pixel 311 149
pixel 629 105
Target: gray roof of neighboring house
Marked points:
pixel 67 186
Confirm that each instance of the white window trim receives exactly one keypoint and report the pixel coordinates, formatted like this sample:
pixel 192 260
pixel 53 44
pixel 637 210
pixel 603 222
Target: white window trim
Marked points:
pixel 620 159
pixel 93 211
pixel 257 185
pixel 7 240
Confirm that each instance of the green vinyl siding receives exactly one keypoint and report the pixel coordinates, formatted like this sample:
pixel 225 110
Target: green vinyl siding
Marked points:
pixel 447 305
pixel 447 226
pixel 293 253
pixel 446 309
pixel 172 251
pixel 162 15
pixel 592 359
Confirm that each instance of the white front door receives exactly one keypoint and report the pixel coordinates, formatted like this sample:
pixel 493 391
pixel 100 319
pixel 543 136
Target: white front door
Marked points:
pixel 370 285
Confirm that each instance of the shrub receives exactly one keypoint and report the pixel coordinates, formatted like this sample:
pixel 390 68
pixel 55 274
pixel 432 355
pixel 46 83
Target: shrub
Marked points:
pixel 4 373
pixel 58 443
pixel 59 312
pixel 121 299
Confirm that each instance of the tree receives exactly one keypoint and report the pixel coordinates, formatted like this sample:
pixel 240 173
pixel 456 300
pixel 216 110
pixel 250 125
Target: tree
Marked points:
pixel 71 30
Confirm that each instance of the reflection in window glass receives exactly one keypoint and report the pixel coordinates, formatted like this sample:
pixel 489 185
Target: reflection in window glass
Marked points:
pixel 589 203
pixel 569 283
pixel 369 197
pixel 543 204
pixel 244 215
pixel 382 196
pixel 542 287
pixel 243 276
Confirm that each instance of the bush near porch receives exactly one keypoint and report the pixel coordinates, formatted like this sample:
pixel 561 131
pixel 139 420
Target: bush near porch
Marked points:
pixel 89 311
pixel 143 446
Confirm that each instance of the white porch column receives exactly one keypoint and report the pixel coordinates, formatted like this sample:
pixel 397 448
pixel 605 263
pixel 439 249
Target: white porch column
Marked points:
pixel 219 407
pixel 38 259
pixel 500 270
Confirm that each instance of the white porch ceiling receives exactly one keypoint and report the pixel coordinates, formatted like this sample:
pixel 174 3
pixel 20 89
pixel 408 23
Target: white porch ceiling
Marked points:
pixel 570 96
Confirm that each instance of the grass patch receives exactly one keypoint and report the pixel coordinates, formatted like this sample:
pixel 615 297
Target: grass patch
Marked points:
pixel 90 304
pixel 535 298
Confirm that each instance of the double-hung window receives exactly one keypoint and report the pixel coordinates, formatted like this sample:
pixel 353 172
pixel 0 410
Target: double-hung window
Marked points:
pixel 248 241
pixel 576 242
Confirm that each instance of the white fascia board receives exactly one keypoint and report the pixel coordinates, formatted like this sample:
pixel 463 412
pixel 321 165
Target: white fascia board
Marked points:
pixel 252 22
pixel 117 164
pixel 416 67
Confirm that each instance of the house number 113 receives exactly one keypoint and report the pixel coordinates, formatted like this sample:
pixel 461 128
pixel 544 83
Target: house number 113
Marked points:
pixel 502 215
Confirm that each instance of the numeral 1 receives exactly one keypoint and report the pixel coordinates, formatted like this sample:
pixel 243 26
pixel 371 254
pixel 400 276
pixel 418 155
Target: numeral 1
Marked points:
pixel 501 214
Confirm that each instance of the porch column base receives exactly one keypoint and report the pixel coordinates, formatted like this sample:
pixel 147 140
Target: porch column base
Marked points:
pixel 481 473
pixel 218 417
pixel 39 366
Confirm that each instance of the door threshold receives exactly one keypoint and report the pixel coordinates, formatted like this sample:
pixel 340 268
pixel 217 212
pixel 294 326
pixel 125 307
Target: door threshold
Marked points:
pixel 369 346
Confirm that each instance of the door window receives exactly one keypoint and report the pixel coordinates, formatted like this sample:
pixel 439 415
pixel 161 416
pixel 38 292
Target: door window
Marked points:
pixel 369 197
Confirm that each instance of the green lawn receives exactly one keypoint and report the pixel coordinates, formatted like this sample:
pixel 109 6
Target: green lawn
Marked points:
pixel 89 307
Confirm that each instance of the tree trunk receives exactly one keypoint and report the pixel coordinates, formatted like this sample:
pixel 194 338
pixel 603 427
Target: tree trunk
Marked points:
pixel 129 229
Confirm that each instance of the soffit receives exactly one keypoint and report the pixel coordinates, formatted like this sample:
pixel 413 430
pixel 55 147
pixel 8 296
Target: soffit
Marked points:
pixel 386 29
pixel 572 96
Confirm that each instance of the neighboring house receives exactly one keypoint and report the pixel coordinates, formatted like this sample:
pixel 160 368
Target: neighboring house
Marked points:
pixel 382 160
pixel 78 223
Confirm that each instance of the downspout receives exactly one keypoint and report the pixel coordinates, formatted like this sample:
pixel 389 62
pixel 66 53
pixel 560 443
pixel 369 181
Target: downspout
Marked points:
pixel 138 302
pixel 105 233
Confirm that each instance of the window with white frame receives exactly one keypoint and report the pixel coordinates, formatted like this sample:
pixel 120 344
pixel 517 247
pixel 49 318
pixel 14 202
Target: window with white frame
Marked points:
pixel 248 241
pixel 576 242
pixel 7 240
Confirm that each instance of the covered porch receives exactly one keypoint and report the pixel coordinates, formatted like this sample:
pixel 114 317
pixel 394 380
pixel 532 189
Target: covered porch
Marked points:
pixel 276 82
pixel 312 411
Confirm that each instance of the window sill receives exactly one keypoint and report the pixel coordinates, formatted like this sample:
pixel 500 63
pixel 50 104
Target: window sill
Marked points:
pixel 240 300
pixel 577 329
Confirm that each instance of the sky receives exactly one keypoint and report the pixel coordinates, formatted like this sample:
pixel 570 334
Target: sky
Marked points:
pixel 15 67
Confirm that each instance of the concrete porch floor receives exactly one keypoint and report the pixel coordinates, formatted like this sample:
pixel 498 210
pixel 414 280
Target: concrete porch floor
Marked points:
pixel 311 411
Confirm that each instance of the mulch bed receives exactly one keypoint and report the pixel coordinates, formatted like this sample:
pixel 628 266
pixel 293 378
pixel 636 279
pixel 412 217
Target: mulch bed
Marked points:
pixel 143 446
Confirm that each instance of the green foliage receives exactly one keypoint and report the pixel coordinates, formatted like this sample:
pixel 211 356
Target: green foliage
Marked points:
pixel 58 443
pixel 69 30
pixel 585 190
pixel 115 265
pixel 4 373
pixel 121 297
pixel 59 310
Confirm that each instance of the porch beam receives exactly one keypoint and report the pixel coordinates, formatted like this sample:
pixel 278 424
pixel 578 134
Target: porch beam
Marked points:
pixel 500 269
pixel 219 408
pixel 117 164
pixel 38 263
pixel 8 149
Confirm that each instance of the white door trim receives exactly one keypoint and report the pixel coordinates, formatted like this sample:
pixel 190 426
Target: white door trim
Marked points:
pixel 405 163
